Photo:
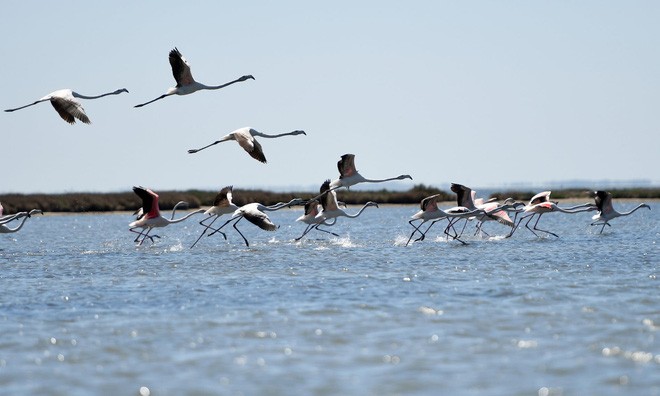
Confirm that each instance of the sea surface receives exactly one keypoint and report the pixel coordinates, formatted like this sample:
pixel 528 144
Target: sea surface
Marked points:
pixel 84 311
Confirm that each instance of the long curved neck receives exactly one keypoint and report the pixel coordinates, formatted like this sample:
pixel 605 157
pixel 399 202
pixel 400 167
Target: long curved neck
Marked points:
pixel 280 205
pixel 633 211
pixel 359 212
pixel 6 229
pixel 180 219
pixel 96 97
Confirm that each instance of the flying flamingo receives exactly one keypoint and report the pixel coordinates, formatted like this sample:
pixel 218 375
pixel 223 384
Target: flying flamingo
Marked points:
pixel 246 139
pixel 606 211
pixel 311 211
pixel 222 204
pixel 540 204
pixel 5 230
pixel 65 103
pixel 330 206
pixel 255 214
pixel 349 176
pixel 185 83
pixel 151 217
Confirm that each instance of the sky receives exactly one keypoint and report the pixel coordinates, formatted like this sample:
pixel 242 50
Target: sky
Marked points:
pixel 490 94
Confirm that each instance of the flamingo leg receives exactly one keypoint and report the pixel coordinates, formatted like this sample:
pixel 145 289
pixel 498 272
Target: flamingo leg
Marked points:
pixel 322 230
pixel 462 230
pixel 515 226
pixel 315 227
pixel 538 229
pixel 480 229
pixel 143 234
pixel 239 231
pixel 421 238
pixel 456 236
pixel 215 217
pixel 307 229
pixel 416 229
pixel 222 226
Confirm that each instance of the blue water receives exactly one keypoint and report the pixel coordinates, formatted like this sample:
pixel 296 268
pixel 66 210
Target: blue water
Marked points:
pixel 84 311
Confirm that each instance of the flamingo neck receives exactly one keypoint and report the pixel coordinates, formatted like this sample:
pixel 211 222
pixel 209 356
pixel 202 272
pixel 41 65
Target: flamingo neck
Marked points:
pixel 633 211
pixel 95 97
pixel 256 133
pixel 180 219
pixel 6 230
pixel 359 212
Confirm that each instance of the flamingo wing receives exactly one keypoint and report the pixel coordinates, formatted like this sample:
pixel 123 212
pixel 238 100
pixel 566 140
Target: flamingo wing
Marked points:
pixel 260 219
pixel 346 166
pixel 149 201
pixel 250 145
pixel 604 201
pixel 180 69
pixel 540 197
pixel 69 110
pixel 430 203
pixel 311 208
pixel 328 197
pixel 224 197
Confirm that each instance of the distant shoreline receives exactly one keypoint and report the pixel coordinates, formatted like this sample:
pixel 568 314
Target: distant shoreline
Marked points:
pixel 129 202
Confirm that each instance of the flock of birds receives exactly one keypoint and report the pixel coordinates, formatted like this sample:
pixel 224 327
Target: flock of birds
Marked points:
pixel 322 210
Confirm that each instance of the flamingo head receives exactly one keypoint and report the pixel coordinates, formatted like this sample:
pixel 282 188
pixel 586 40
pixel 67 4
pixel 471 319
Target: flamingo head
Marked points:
pixel 246 77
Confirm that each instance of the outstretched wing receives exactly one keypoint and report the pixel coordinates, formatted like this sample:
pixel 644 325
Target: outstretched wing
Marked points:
pixel 346 165
pixel 260 219
pixel 149 201
pixel 180 68
pixel 224 197
pixel 68 109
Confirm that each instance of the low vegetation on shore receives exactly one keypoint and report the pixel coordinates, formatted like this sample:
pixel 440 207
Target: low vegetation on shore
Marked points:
pixel 128 201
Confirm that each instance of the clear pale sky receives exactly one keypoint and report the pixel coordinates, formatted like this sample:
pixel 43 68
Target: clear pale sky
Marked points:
pixel 483 93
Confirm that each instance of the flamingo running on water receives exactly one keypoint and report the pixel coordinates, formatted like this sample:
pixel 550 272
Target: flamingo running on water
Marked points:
pixel 245 137
pixel 255 214
pixel 330 206
pixel 606 211
pixel 222 204
pixel 185 83
pixel 65 103
pixel 151 217
pixel 312 209
pixel 540 204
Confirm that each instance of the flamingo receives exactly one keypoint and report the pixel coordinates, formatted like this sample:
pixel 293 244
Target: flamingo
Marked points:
pixel 246 139
pixel 185 83
pixel 349 176
pixel 606 211
pixel 330 206
pixel 65 103
pixel 493 212
pixel 255 214
pixel 151 217
pixel 540 204
pixel 430 211
pixel 222 204
pixel 6 230
pixel 311 211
